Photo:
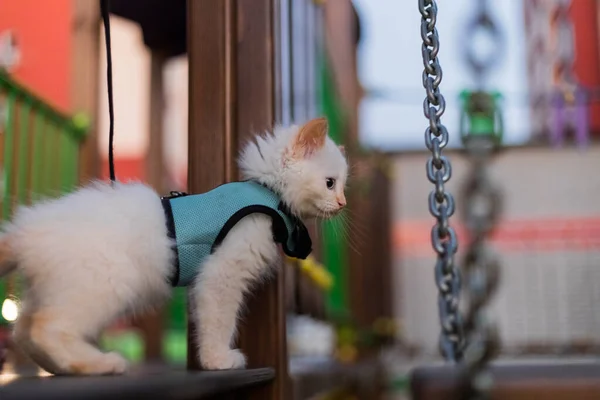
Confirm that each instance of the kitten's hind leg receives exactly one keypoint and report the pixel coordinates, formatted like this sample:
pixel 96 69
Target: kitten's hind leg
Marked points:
pixel 57 344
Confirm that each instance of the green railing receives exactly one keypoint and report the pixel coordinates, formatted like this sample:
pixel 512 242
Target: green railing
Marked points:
pixel 39 150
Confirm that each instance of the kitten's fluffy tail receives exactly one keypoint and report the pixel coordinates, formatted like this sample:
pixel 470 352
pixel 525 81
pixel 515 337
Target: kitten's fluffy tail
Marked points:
pixel 7 262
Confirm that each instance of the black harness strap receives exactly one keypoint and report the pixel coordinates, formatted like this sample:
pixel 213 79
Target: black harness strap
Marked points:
pixel 166 203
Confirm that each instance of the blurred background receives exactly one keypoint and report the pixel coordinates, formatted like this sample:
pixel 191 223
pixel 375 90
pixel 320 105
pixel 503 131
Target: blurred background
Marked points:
pixel 540 65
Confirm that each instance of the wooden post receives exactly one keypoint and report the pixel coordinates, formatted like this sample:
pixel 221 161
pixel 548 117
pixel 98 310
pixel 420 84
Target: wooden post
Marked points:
pixel 227 105
pixel 341 50
pixel 84 80
pixel 155 160
pixel 211 105
pixel 263 335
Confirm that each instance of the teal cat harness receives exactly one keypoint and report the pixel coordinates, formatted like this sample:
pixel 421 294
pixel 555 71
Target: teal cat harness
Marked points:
pixel 199 223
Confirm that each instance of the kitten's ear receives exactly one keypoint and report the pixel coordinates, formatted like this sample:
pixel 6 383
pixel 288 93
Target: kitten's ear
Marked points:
pixel 342 149
pixel 310 138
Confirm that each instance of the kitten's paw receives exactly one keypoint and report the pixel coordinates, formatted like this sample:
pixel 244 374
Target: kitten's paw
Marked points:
pixel 229 359
pixel 114 364
pixel 108 364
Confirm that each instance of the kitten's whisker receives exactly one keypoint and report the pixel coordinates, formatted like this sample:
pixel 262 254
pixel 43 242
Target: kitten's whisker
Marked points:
pixel 335 227
pixel 352 245
pixel 352 241
pixel 348 223
pixel 322 221
pixel 355 223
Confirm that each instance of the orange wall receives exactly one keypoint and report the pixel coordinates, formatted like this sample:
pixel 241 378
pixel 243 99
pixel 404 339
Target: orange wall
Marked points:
pixel 43 31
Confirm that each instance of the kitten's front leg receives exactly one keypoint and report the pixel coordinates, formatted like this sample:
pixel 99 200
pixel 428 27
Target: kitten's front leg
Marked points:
pixel 245 256
pixel 218 294
pixel 217 299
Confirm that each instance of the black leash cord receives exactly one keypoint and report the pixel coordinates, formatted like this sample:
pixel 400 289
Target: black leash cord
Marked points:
pixel 104 10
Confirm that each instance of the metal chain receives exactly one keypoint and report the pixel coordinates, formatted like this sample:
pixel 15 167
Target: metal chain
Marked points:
pixel 441 202
pixel 482 206
pixel 483 24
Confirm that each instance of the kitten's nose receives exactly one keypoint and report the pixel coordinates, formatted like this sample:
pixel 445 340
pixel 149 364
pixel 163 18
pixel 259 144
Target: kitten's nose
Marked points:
pixel 341 199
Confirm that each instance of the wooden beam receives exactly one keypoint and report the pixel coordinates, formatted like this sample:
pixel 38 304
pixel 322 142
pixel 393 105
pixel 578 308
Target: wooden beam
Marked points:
pixel 211 105
pixel 227 106
pixel 84 78
pixel 341 51
pixel 155 157
pixel 262 335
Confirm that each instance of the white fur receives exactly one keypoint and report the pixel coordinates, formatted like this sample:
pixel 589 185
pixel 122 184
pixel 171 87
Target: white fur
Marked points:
pixel 300 182
pixel 103 252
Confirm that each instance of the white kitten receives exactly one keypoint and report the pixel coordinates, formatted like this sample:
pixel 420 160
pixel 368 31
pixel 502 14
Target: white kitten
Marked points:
pixel 104 252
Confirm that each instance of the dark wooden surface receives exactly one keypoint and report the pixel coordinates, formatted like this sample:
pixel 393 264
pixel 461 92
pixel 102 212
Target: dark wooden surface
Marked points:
pixel 359 261
pixel 312 378
pixel 157 384
pixel 554 380
pixel 210 104
pixel 380 235
pixel 85 65
pixel 262 334
pixel 155 168
pixel 311 297
pixel 232 92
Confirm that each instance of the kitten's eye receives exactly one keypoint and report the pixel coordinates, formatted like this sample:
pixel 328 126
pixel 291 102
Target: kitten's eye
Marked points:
pixel 330 183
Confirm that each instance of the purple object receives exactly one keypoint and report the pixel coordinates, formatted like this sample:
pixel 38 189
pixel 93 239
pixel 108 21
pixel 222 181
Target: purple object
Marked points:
pixel 570 114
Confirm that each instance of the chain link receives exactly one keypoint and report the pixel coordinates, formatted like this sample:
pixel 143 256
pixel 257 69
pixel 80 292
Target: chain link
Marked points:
pixel 483 24
pixel 441 202
pixel 482 208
